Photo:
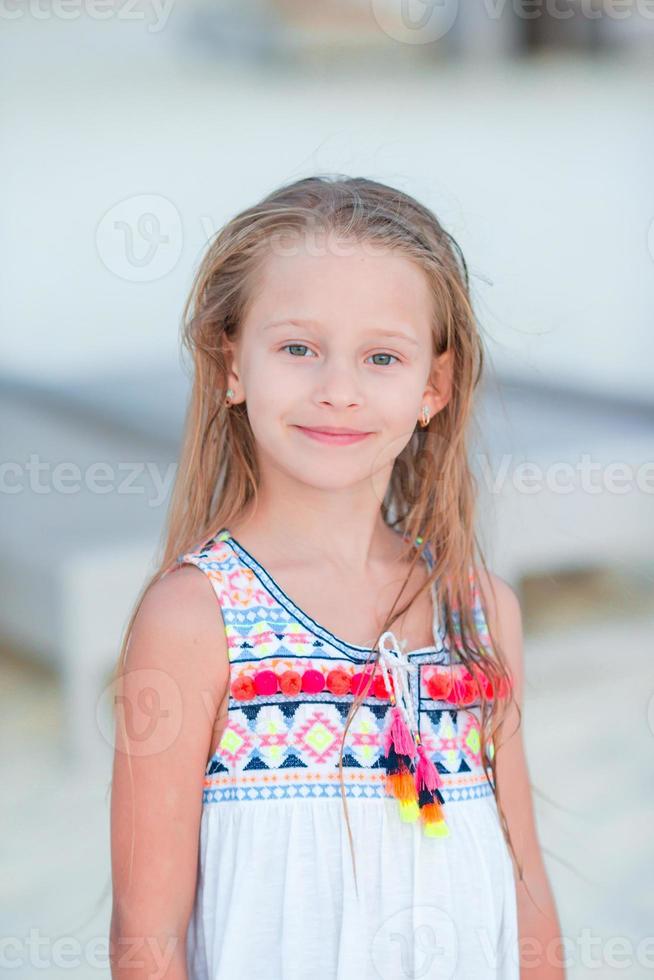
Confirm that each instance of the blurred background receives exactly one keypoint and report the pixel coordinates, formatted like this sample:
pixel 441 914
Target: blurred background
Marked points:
pixel 130 132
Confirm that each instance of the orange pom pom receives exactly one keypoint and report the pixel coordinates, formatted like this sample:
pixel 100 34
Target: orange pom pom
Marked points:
pixel 439 684
pixel 290 683
pixel 242 688
pixel 338 681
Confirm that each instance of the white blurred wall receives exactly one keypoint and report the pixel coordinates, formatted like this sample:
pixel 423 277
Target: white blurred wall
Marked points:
pixel 541 169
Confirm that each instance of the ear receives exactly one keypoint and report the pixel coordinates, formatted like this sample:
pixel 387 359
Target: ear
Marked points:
pixel 439 388
pixel 230 353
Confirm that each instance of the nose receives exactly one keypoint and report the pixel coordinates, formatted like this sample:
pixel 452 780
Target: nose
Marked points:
pixel 338 384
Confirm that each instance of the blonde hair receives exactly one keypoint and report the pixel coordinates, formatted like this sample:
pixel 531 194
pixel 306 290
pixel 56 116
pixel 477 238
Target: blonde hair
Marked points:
pixel 431 492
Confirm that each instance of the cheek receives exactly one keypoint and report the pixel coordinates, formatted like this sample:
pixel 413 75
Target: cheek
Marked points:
pixel 395 401
pixel 282 389
pixel 277 372
pixel 275 396
pixel 264 379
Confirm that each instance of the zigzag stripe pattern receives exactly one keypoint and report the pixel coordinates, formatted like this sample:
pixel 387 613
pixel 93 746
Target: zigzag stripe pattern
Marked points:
pixel 287 745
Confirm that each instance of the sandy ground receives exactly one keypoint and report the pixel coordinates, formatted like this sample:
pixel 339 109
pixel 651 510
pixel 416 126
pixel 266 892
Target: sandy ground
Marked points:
pixel 589 723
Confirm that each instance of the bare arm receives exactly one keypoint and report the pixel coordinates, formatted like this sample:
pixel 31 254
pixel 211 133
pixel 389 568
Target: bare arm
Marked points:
pixel 176 675
pixel 541 951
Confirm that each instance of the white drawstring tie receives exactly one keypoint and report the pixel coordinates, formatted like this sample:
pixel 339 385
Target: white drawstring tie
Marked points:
pixel 395 662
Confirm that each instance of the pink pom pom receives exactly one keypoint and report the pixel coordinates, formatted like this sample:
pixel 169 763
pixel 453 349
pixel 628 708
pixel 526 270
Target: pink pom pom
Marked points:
pixel 313 681
pixel 265 682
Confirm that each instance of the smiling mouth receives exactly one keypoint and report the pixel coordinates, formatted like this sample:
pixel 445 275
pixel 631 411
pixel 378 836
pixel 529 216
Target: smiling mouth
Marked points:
pixel 334 436
pixel 334 430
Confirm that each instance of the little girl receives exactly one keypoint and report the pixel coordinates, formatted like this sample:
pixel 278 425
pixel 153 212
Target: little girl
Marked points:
pixel 319 769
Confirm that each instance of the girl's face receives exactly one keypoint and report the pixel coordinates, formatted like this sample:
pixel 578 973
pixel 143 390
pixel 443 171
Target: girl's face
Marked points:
pixel 339 337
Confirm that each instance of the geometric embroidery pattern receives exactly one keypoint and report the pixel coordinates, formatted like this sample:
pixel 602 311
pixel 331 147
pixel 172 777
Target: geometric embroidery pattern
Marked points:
pixel 279 744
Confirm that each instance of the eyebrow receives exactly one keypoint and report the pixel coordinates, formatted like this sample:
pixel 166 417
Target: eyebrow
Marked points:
pixel 390 334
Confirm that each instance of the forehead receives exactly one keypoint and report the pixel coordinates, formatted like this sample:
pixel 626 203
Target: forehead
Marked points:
pixel 341 281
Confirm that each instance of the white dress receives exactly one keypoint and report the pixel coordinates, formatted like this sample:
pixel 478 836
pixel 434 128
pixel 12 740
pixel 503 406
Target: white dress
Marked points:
pixel 275 896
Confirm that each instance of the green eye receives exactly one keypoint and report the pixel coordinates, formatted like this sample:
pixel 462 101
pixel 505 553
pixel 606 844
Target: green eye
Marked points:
pixel 295 346
pixel 384 355
pixel 303 349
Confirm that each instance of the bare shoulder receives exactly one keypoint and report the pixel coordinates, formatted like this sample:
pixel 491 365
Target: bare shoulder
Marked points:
pixel 179 625
pixel 179 597
pixel 178 650
pixel 501 600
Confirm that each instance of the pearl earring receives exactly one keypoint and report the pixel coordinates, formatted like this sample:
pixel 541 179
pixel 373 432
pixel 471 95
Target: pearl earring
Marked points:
pixel 425 417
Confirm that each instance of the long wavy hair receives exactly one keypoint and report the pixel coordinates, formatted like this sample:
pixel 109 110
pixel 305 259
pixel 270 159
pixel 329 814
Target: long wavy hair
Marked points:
pixel 431 493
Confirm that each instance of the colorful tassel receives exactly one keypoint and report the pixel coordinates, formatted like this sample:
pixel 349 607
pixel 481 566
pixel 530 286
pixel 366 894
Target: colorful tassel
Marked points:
pixel 415 787
pixel 399 744
pixel 430 798
pixel 399 748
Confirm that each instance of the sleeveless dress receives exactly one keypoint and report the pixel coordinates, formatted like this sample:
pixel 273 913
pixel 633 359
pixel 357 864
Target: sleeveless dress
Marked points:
pixel 275 895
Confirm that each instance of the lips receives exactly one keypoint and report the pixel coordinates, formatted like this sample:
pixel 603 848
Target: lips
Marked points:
pixel 335 436
pixel 333 430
